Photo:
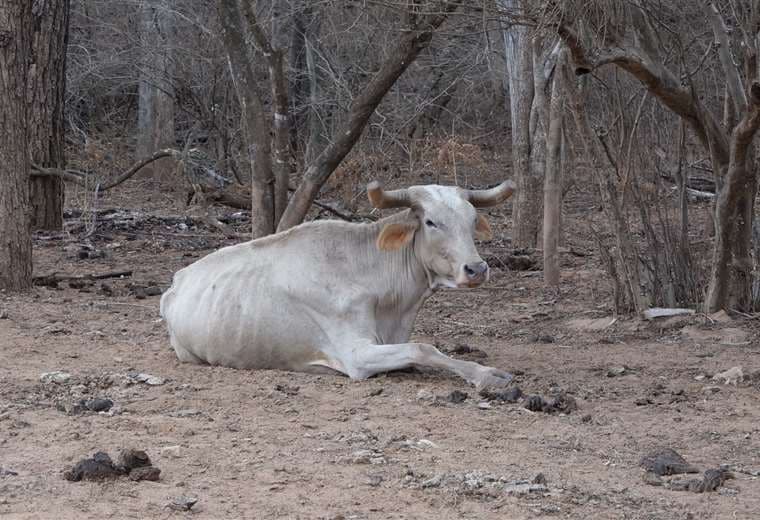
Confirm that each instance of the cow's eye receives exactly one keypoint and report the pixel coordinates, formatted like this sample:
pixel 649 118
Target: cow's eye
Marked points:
pixel 429 223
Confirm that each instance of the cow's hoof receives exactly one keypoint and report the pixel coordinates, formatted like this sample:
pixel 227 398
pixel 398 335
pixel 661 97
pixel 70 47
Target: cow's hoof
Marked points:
pixel 493 379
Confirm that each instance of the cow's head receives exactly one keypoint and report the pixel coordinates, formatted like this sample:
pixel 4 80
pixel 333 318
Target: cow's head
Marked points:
pixel 443 223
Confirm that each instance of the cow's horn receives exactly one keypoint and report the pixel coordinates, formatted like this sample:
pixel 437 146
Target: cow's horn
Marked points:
pixel 382 199
pixel 490 197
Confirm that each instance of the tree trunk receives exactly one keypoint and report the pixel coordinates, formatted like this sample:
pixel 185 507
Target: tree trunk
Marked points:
pixel 553 180
pixel 254 122
pixel 47 88
pixel 155 112
pixel 519 56
pixel 16 32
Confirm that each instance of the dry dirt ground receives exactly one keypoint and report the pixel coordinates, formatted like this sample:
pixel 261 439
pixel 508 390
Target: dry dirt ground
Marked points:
pixel 268 444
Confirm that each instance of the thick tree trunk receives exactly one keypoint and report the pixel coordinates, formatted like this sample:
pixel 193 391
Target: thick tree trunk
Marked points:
pixel 47 86
pixel 553 180
pixel 16 31
pixel 730 276
pixel 155 113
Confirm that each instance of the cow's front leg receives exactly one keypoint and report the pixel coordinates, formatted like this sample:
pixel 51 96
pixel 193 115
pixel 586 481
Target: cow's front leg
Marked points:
pixel 368 360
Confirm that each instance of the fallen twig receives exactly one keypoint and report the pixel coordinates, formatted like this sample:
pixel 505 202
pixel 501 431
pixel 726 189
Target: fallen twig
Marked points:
pixel 55 278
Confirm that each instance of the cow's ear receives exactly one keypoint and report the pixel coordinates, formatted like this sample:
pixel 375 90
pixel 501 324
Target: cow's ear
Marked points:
pixel 482 228
pixel 395 236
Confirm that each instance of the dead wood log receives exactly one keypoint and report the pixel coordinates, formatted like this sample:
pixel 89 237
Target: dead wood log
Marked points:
pixel 53 279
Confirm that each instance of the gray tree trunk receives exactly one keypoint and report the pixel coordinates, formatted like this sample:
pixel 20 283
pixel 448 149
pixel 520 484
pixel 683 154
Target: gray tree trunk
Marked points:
pixel 155 116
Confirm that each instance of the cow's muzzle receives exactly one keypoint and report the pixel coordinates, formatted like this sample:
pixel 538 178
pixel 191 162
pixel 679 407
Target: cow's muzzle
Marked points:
pixel 475 274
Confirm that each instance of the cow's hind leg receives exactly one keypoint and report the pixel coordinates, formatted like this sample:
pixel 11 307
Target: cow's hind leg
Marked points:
pixel 369 360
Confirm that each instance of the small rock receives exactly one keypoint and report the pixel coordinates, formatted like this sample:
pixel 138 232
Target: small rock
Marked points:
pixel 4 314
pixel 617 371
pixel 666 461
pixel 510 395
pixel 432 482
pixel 182 503
pixel 288 390
pixel 98 404
pixel 56 377
pixel 374 480
pixel 189 412
pixel 172 451
pixel 544 338
pixel 711 389
pixel 651 478
pixel 151 473
pixel 715 478
pixel 732 376
pixel 131 459
pixel 540 479
pixel 586 418
pixel 375 392
pixel 457 396
pixel 524 488
pixel 484 405
pixel 535 403
pixel 4 472
pixel 153 290
pixel 425 395
pixel 363 456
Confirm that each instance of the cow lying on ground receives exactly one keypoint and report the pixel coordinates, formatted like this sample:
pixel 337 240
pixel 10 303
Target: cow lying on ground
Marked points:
pixel 336 295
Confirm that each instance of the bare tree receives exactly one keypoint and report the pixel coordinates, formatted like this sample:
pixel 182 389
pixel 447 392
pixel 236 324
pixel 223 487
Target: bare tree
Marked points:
pixel 155 114
pixel 47 87
pixel 630 42
pixel 16 30
pixel 268 184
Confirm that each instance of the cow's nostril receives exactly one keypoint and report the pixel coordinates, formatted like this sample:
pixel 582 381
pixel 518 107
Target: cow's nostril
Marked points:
pixel 475 270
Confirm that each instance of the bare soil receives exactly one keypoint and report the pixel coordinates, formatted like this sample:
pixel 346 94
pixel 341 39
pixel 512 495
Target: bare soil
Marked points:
pixel 269 444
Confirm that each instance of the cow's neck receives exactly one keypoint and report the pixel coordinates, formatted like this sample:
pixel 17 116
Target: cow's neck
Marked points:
pixel 403 280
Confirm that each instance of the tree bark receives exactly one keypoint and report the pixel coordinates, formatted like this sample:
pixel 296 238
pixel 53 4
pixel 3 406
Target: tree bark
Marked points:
pixel 47 88
pixel 519 56
pixel 254 121
pixel 16 31
pixel 553 180
pixel 411 43
pixel 155 113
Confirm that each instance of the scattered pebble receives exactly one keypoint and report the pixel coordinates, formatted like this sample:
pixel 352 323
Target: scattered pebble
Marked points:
pixel 172 451
pixel 56 377
pixel 432 482
pixel 524 488
pixel 366 457
pixel 425 395
pixel 484 405
pixel 189 412
pixel 182 503
pixel 666 461
pixel 510 395
pixel 617 371
pixel 651 478
pixel 562 403
pixel 732 376
pixel 5 472
pixel 457 396
pixel 98 404
pixel 147 379
pixel 150 473
pixel 287 390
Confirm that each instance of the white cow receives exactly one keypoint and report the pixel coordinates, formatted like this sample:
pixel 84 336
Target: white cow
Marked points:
pixel 336 295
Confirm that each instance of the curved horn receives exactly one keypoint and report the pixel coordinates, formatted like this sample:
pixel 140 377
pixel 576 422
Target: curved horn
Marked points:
pixel 382 199
pixel 490 197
